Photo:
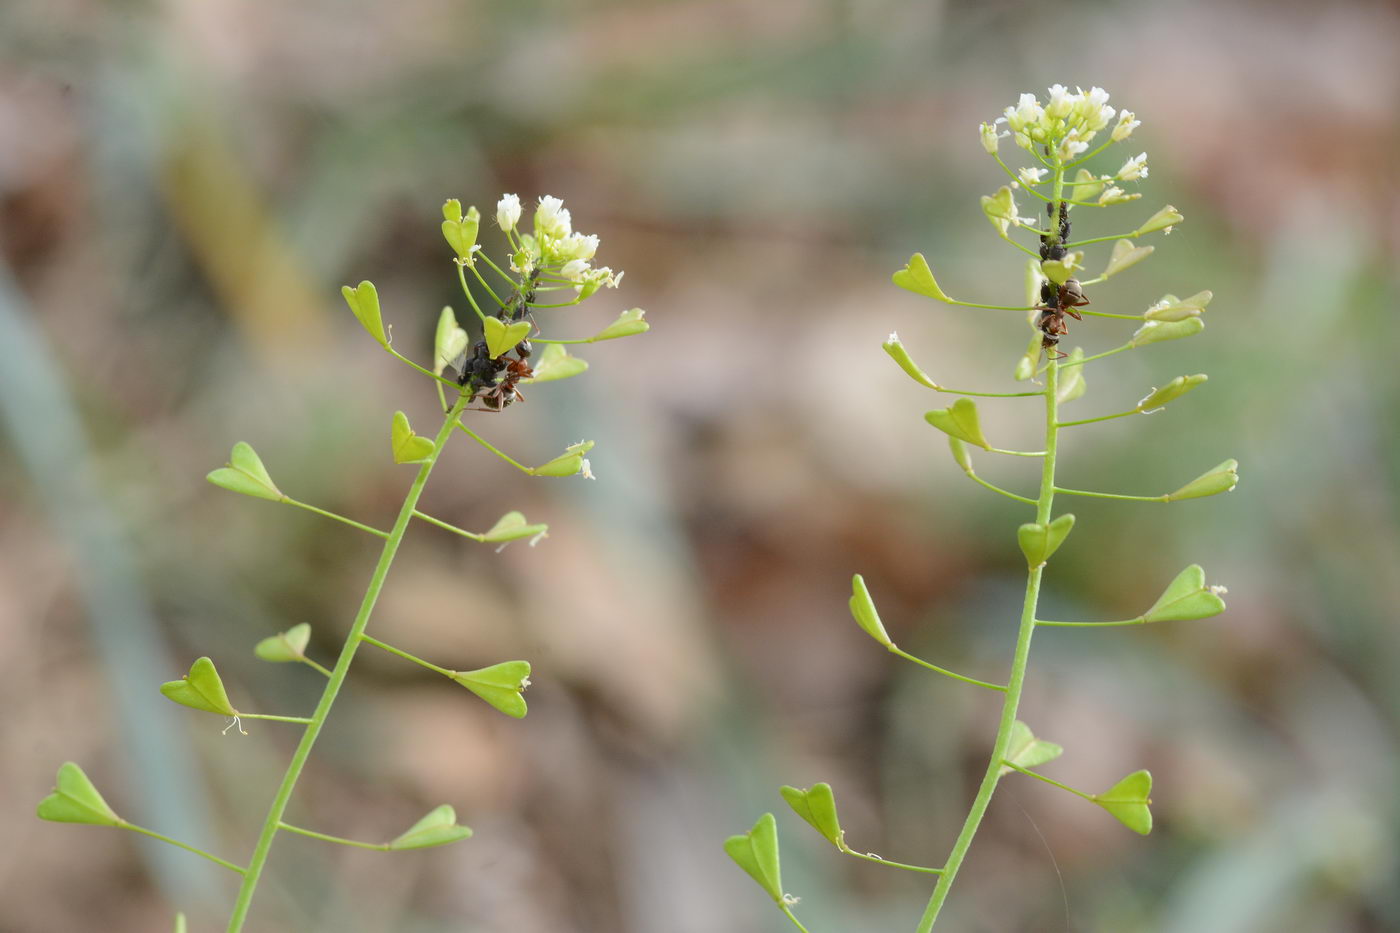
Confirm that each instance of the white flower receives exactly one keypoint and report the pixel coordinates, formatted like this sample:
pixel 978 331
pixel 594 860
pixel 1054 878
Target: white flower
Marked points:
pixel 1125 127
pixel 1061 102
pixel 1094 111
pixel 1134 168
pixel 1030 176
pixel 1072 146
pixel 552 218
pixel 574 270
pixel 1026 113
pixel 508 211
pixel 1116 195
pixel 585 470
pixel 577 246
pixel 989 138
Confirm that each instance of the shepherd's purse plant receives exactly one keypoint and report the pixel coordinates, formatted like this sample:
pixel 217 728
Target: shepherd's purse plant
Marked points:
pixel 1056 137
pixel 549 268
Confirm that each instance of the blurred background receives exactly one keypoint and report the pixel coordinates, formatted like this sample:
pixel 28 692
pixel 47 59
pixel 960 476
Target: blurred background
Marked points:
pixel 185 185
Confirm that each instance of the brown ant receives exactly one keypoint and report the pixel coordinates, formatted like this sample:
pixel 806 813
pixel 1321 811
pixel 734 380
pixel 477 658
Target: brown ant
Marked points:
pixel 501 394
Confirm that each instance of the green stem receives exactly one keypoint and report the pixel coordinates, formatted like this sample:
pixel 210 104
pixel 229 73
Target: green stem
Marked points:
pixel 489 290
pixel 342 668
pixel 884 861
pixel 452 528
pixel 1121 317
pixel 944 671
pixel 1018 453
pixel 938 388
pixel 380 846
pixel 1092 152
pixel 1121 414
pixel 484 443
pixel 299 719
pixel 427 372
pixel 462 278
pixel 974 304
pixel 505 275
pixel 1103 239
pixel 340 518
pixel 1022 653
pixel 314 666
pixel 1025 249
pixel 1096 356
pixel 406 656
pixel 183 845
pixel 1110 495
pixel 1050 781
pixel 1010 495
pixel 1140 620
pixel 787 911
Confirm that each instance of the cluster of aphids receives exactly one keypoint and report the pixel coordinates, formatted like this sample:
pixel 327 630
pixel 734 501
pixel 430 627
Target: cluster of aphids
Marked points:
pixel 493 383
pixel 1056 302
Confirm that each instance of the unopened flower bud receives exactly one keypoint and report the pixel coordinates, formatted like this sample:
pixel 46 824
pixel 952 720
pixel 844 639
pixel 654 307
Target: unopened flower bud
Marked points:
pixel 508 211
pixel 989 138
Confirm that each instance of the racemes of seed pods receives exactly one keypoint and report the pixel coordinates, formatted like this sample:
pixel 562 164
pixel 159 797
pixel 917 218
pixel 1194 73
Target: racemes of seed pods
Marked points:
pixel 1061 139
pixel 549 268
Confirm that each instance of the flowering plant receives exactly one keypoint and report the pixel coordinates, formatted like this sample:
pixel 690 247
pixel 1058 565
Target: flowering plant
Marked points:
pixel 1057 135
pixel 550 259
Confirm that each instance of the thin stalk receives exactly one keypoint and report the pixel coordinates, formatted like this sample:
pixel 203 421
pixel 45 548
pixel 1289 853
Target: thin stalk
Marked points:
pixel 1121 414
pixel 298 719
pixel 340 518
pixel 1018 453
pixel 452 528
pixel 380 846
pixel 1104 239
pixel 427 372
pixel 505 275
pixel 797 923
pixel 1140 620
pixel 944 671
pixel 1025 249
pixel 500 453
pixel 1110 495
pixel 556 340
pixel 489 290
pixel 884 861
pixel 1121 317
pixel 182 845
pixel 406 656
pixel 1051 781
pixel 273 821
pixel 320 668
pixel 1021 656
pixel 938 388
pixel 1010 495
pixel 462 278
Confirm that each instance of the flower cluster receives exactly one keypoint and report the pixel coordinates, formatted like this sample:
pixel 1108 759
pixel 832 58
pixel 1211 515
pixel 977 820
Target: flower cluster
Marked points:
pixel 1067 122
pixel 554 249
